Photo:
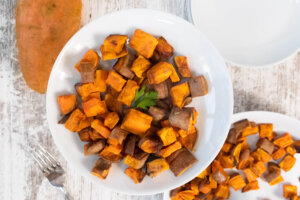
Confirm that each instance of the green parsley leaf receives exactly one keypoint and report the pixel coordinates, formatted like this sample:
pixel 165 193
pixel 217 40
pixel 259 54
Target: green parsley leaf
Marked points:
pixel 144 100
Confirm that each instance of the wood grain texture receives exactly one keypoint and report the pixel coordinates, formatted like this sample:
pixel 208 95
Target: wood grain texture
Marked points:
pixel 23 119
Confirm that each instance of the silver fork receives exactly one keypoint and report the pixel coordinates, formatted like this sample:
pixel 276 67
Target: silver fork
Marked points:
pixel 51 169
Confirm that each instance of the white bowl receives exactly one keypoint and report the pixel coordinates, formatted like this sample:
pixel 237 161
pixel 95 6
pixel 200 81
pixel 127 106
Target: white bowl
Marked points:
pixel 215 109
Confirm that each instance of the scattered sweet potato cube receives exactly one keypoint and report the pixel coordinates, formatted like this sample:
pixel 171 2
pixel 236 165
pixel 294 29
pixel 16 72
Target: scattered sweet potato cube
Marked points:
pixel 137 175
pixel 189 140
pixel 258 168
pixel 179 93
pixel 289 191
pixel 284 140
pixel 140 65
pixel 66 103
pixel 287 163
pixel 114 46
pixel 212 182
pixel 90 56
pixel 143 43
pixel 111 120
pixel 159 72
pixel 278 154
pixel 168 150
pixel 185 194
pixel 156 167
pixel 250 175
pixel 93 147
pixel 266 130
pixel 136 122
pixel 251 186
pixel 73 123
pixel 115 80
pixel 164 49
pixel 223 191
pixel 251 130
pixel 100 80
pixel 150 144
pixel 182 66
pixel 237 182
pixel 100 128
pixel 167 135
pixel 94 107
pixel 87 72
pixel 291 150
pixel 198 86
pixel 101 168
pixel 123 65
pixel 135 162
pixel 266 145
pixel 241 125
pixel 127 95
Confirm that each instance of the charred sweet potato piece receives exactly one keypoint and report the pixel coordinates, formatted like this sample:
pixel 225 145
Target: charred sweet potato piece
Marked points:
pixel 273 167
pixel 143 43
pixel 100 80
pixel 127 95
pixel 137 175
pixel 111 120
pixel 156 167
pixel 182 66
pixel 94 107
pixel 287 163
pixel 101 168
pixel 66 103
pixel 159 72
pixel 157 113
pixel 111 153
pixel 135 162
pixel 164 49
pixel 189 141
pixel 289 191
pixel 232 136
pixel 87 72
pixel 273 177
pixel 237 182
pixel 266 145
pixel 136 122
pixel 117 136
pixel 241 125
pixel 182 118
pixel 223 191
pixel 284 140
pixel 140 65
pixel 114 46
pixel 93 147
pixel 100 128
pixel 112 103
pixel 251 186
pixel 115 80
pixel 91 56
pixel 150 144
pixel 258 168
pixel 251 130
pixel 179 93
pixel 266 130
pixel 278 154
pixel 183 161
pixel 130 144
pixel 73 123
pixel 167 135
pixel 163 89
pixel 94 135
pixel 123 66
pixel 198 86
pixel 168 150
pixel 84 134
pixel 250 175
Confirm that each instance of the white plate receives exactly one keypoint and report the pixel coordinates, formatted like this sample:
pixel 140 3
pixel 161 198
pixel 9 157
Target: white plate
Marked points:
pixel 250 32
pixel 215 109
pixel 282 124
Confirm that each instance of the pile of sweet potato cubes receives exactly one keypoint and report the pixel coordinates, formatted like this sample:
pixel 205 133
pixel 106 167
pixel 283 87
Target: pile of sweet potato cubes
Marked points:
pixel 272 154
pixel 137 110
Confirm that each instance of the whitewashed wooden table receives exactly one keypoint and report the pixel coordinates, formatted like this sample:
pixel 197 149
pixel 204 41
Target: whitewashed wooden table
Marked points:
pixel 22 111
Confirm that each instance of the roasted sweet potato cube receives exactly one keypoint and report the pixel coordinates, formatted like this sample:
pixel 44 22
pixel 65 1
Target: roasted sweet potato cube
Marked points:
pixel 91 95
pixel 84 134
pixel 115 80
pixel 237 182
pixel 266 130
pixel 112 103
pixel 182 66
pixel 251 186
pixel 226 147
pixel 123 66
pixel 227 161
pixel 156 167
pixel 159 72
pixel 272 177
pixel 164 49
pixel 117 136
pixel 86 89
pixel 135 162
pixel 94 107
pixel 258 168
pixel 101 168
pixel 183 118
pixel 66 103
pixel 204 186
pixel 289 191
pixel 167 135
pixel 107 154
pixel 179 93
pixel 189 141
pixel 114 46
pixel 232 136
pixel 251 130
pixel 137 175
pixel 150 144
pixel 143 43
pixel 272 166
pixel 278 154
pixel 263 155
pixel 163 89
pixel 241 125
pixel 168 150
pixel 284 140
pixel 111 120
pixel 100 128
pixel 220 176
pixel 93 147
pixel 223 191
pixel 250 175
pixel 140 65
pixel 291 150
pixel 90 56
pixel 236 150
pixel 130 144
pixel 87 72
pixel 110 55
pixel 157 113
pixel 245 159
pixel 127 95
pixel 198 86
pixel 266 145
pixel 182 161
pixel 100 80
pixel 174 76
pixel 136 122
pixel 94 135
pixel 73 123
pixel 287 163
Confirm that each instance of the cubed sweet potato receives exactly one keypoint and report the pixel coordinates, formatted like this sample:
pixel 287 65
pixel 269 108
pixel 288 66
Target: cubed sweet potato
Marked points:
pixel 96 95
pixel 94 107
pixel 143 43
pixel 100 80
pixel 112 103
pixel 115 80
pixel 174 76
pixel 163 89
pixel 258 168
pixel 289 191
pixel 123 66
pixel 189 141
pixel 278 154
pixel 100 128
pixel 137 175
pixel 251 186
pixel 135 162
pixel 167 135
pixel 204 186
pixel 263 155
pixel 182 66
pixel 220 176
pixel 136 122
pixel 94 135
pixel 164 49
pixel 179 93
pixel 227 161
pixel 251 130
pixel 159 72
pixel 117 136
pixel 66 103
pixel 241 125
pixel 198 86
pixel 140 65
pixel 226 147
pixel 232 136
pixel 223 191
pixel 93 147
pixel 86 89
pixel 114 46
pixel 183 118
pixel 291 150
pixel 87 72
pixel 157 113
pixel 127 94
pixel 73 123
pixel 101 168
pixel 168 150
pixel 273 177
pixel 250 175
pixel 111 120
pixel 266 145
pixel 284 140
pixel 237 182
pixel 111 153
pixel 150 144
pixel 90 56
pixel 236 150
pixel 156 167
pixel 266 130
pixel 84 134
pixel 287 163
pixel 130 144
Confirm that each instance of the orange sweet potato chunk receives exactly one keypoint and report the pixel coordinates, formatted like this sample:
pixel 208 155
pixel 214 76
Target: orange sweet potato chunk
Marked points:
pixel 100 80
pixel 174 76
pixel 42 29
pixel 159 72
pixel 278 154
pixel 100 128
pixel 182 66
pixel 86 89
pixel 90 56
pixel 115 80
pixel 237 182
pixel 223 191
pixel 66 103
pixel 114 46
pixel 284 140
pixel 137 175
pixel 164 49
pixel 266 130
pixel 73 123
pixel 179 93
pixel 143 43
pixel 91 95
pixel 287 163
pixel 127 95
pixel 165 152
pixel 140 65
pixel 167 135
pixel 94 107
pixel 289 191
pixel 251 186
pixel 111 120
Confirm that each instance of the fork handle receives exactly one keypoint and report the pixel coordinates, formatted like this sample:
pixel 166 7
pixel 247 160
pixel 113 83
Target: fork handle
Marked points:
pixel 65 193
